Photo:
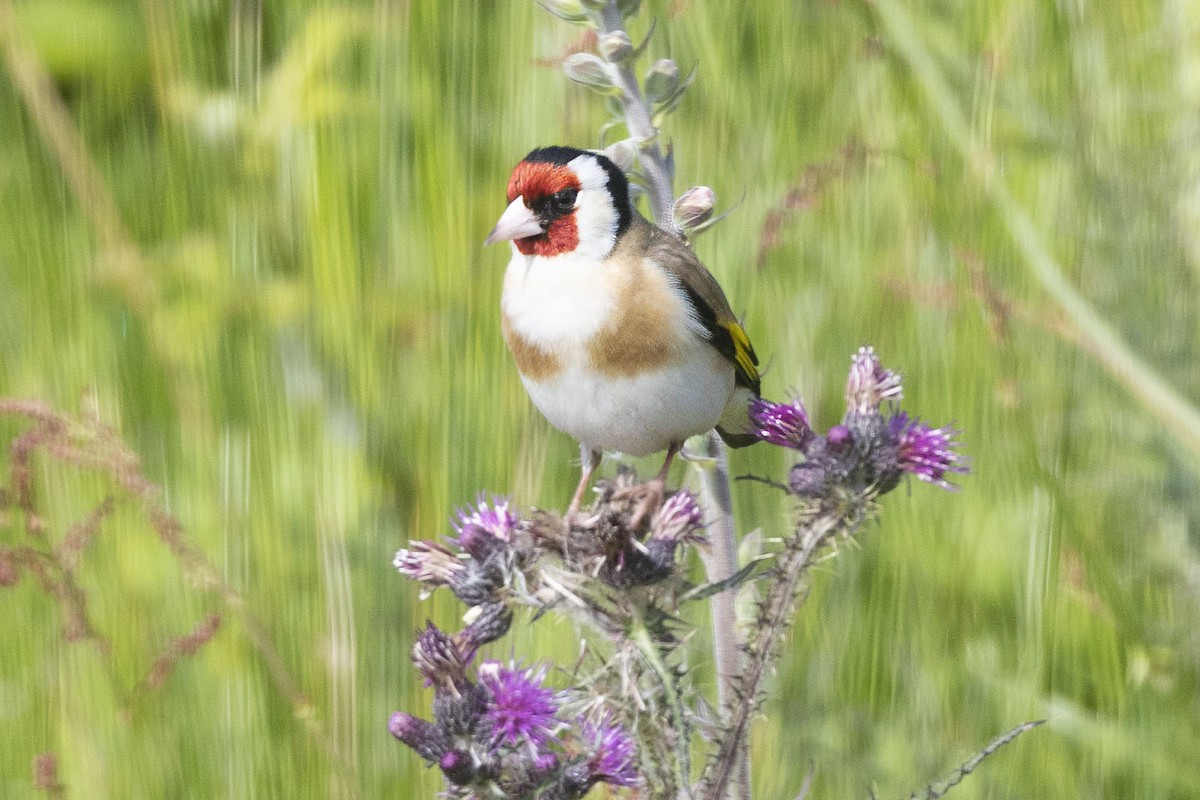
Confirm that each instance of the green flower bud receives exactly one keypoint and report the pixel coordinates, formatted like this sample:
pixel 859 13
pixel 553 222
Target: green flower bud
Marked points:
pixel 588 70
pixel 662 80
pixel 616 47
pixel 569 10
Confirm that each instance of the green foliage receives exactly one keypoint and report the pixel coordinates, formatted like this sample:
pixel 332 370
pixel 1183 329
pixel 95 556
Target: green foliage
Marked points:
pixel 273 287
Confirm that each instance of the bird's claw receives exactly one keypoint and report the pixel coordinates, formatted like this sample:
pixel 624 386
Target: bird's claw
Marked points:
pixel 649 497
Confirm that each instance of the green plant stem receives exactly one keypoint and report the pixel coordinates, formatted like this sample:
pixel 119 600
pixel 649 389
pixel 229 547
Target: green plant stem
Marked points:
pixel 683 758
pixel 775 615
pixel 721 563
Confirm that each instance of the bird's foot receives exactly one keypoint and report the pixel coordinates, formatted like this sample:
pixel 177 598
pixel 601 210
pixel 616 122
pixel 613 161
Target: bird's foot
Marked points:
pixel 572 519
pixel 591 460
pixel 578 519
pixel 649 497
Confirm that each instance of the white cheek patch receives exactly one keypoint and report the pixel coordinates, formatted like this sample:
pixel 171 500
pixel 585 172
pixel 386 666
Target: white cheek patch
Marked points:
pixel 591 174
pixel 595 214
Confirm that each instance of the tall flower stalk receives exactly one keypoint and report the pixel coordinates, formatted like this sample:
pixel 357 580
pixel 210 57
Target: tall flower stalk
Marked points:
pixel 641 108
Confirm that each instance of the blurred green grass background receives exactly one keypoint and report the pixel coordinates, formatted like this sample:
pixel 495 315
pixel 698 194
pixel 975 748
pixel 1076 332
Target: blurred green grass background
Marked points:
pixel 261 262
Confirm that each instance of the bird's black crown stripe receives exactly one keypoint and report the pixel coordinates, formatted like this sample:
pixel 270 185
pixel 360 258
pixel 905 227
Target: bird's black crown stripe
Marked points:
pixel 618 184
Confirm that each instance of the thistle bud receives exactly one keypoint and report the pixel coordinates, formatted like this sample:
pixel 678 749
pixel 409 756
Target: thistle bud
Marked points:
pixel 460 714
pixel 839 437
pixel 662 79
pixel 438 659
pixel 588 70
pixel 694 207
pixel 458 766
pixel 488 623
pixel 616 47
pixel 809 478
pixel 424 737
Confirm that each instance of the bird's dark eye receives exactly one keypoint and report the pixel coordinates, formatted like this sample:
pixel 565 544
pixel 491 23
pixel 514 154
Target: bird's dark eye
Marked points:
pixel 564 200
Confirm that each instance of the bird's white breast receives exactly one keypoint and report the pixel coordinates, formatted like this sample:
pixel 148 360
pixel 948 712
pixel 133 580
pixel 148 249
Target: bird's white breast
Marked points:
pixel 560 305
pixel 558 302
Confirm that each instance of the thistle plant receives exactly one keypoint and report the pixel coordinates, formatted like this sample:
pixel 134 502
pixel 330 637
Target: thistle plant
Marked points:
pixel 628 713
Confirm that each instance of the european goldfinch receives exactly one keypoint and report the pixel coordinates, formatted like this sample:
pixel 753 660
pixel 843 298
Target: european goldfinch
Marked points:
pixel 622 338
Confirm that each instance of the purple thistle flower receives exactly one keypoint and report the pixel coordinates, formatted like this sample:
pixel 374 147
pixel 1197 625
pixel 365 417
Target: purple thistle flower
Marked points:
pixel 521 709
pixel 497 518
pixel 613 757
pixel 869 384
pixel 481 531
pixel 926 452
pixel 428 562
pixel 679 519
pixel 783 424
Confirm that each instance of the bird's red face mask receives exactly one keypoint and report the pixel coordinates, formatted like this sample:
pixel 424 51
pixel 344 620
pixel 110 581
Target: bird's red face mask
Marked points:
pixel 540 218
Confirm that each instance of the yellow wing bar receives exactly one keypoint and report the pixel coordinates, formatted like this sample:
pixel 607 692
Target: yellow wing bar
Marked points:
pixel 744 355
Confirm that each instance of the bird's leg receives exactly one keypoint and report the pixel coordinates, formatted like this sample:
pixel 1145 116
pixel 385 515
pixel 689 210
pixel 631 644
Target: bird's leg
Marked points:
pixel 652 490
pixel 591 460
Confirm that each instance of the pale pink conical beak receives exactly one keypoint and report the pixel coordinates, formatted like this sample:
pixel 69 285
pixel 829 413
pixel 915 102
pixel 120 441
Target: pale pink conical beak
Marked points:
pixel 517 222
